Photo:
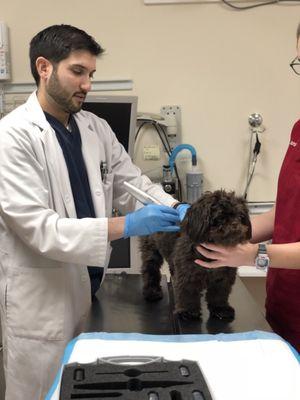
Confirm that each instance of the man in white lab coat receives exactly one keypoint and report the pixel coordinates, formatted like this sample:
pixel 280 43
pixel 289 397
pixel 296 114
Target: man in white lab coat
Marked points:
pixel 45 247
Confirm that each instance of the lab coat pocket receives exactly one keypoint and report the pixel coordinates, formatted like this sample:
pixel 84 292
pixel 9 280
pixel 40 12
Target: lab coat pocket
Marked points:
pixel 35 303
pixel 108 186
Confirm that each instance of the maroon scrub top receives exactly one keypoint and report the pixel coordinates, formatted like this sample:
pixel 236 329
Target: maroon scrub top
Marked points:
pixel 283 285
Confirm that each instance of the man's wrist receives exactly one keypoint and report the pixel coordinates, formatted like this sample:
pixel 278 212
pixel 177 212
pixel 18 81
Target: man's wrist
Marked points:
pixel 116 228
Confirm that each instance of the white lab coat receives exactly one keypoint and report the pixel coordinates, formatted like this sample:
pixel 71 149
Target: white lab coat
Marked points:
pixel 44 249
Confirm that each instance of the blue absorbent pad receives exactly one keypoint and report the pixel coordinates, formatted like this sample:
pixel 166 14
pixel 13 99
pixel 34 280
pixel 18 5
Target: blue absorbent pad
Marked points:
pixel 245 366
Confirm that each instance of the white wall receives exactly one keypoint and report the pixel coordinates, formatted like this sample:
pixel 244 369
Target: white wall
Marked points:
pixel 219 65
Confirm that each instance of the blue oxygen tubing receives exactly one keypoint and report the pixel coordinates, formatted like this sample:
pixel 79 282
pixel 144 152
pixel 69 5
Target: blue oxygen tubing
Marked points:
pixel 177 149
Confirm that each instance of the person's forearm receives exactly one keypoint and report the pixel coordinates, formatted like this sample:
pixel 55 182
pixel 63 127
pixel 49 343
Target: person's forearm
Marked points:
pixel 284 255
pixel 263 226
pixel 116 228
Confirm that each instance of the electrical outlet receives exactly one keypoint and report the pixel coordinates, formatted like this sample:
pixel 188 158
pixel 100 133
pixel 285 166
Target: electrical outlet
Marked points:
pixel 172 117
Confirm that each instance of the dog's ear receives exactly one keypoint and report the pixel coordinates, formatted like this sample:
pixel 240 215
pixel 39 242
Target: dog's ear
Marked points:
pixel 197 221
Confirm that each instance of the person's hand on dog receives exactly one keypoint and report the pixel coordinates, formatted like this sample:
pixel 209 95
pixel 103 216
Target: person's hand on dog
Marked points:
pixel 150 219
pixel 221 256
pixel 182 209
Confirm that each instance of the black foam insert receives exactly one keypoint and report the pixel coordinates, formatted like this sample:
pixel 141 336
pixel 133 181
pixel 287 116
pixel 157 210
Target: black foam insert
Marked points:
pixel 155 380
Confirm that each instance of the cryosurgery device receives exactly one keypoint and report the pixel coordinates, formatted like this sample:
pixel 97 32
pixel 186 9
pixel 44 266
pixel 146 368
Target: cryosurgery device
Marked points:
pixel 194 178
pixel 140 195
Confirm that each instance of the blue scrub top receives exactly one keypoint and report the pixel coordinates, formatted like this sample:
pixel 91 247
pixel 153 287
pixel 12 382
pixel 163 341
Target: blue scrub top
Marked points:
pixel 70 143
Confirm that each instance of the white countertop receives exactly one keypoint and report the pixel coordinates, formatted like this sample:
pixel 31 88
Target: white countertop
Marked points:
pixel 248 271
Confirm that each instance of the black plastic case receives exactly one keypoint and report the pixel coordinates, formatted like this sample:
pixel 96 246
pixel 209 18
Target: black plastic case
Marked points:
pixel 134 378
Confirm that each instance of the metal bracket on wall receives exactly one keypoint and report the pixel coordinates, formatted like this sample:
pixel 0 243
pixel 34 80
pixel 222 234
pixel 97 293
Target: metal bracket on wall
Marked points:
pixel 97 86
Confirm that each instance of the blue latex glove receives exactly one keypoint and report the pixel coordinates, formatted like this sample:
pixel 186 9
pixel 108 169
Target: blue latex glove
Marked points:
pixel 150 219
pixel 182 209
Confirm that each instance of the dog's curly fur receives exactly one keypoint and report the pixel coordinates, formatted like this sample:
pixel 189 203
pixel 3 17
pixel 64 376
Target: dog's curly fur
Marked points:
pixel 217 217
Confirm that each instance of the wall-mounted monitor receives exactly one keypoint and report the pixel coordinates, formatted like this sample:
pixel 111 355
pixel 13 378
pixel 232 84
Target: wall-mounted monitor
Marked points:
pixel 121 113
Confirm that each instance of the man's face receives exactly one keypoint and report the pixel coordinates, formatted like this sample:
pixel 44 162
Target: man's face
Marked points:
pixel 70 81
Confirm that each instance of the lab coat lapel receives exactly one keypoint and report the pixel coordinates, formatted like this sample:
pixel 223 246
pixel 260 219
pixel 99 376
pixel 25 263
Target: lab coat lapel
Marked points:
pixel 91 155
pixel 58 171
pixel 59 176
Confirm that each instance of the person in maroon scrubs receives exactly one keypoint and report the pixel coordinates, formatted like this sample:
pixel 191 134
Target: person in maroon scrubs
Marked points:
pixel 282 225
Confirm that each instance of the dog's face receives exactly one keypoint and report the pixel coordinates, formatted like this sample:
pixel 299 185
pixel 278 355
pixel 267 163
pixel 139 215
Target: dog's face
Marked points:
pixel 218 217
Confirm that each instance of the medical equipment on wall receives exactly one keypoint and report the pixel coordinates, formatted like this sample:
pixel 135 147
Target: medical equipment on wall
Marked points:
pixel 169 121
pixel 168 128
pixel 159 124
pixel 255 121
pixel 168 182
pixel 4 53
pixel 194 178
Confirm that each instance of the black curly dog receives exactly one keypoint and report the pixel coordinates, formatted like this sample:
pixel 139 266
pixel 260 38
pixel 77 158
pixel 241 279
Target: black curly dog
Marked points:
pixel 217 217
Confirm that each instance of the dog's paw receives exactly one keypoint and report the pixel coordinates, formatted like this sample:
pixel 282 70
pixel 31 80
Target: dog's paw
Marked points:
pixel 222 312
pixel 153 294
pixel 189 314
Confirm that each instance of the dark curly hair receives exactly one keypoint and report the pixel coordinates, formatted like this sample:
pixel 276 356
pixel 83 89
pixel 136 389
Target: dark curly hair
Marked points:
pixel 56 43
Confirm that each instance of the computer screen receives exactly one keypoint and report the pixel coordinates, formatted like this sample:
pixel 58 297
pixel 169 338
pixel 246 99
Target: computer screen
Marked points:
pixel 120 112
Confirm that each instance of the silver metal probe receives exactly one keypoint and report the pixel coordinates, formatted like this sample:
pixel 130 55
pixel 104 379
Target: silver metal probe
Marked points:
pixel 140 195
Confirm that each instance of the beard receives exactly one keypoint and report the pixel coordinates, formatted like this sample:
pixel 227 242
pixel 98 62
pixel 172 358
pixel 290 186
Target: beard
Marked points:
pixel 61 96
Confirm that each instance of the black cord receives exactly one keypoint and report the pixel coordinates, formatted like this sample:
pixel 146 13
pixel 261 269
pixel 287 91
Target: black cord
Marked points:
pixel 257 146
pixel 175 166
pixel 140 127
pixel 179 183
pixel 165 144
pixel 251 175
pixel 167 148
pixel 166 137
pixel 154 124
pixel 249 7
pixel 256 151
pixel 256 5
